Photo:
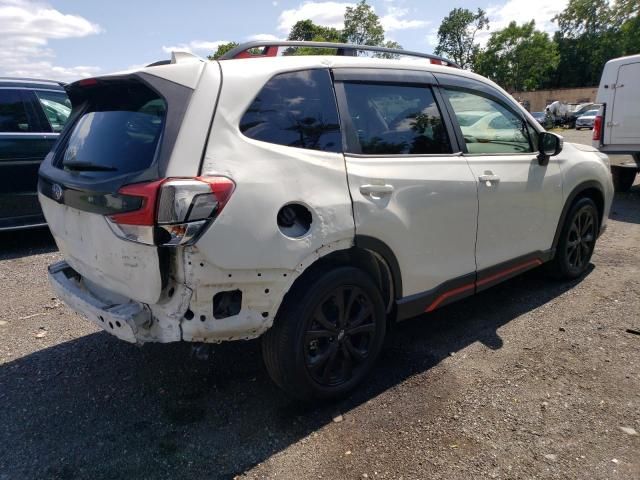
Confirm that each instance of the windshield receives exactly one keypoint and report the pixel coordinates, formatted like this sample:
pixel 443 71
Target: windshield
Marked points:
pixel 119 132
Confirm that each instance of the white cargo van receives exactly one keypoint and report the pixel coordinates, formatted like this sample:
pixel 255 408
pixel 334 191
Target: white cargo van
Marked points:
pixel 617 127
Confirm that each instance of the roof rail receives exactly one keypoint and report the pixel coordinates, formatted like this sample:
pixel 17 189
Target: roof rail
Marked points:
pixel 32 80
pixel 270 49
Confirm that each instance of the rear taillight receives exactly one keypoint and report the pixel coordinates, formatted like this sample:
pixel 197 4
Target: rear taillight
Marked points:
pixel 173 211
pixel 597 128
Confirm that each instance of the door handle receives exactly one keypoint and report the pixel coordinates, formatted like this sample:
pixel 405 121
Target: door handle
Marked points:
pixel 487 179
pixel 376 190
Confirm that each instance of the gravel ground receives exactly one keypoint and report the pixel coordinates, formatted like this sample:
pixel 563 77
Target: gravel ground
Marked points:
pixel 530 379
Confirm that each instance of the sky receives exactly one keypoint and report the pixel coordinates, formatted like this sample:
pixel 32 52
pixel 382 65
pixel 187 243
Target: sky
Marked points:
pixel 70 39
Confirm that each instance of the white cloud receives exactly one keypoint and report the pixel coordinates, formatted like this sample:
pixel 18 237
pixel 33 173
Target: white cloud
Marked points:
pixel 25 30
pixel 432 38
pixel 395 19
pixel 263 36
pixel 193 46
pixel 521 11
pixel 328 14
pixel 331 14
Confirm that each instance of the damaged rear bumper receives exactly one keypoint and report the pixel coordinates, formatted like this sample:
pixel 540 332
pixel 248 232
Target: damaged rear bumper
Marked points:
pixel 130 321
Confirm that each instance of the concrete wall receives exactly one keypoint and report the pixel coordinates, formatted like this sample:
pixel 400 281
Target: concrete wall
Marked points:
pixel 541 98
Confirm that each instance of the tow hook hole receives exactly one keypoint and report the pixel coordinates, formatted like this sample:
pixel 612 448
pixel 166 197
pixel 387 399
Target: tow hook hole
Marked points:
pixel 203 318
pixel 265 314
pixel 259 274
pixel 266 290
pixel 227 304
pixel 101 319
pixel 230 275
pixel 284 274
pixel 118 324
pixel 111 325
pixel 201 264
pixel 188 314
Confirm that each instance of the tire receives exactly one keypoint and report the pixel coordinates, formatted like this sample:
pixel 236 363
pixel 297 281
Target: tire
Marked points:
pixel 577 240
pixel 623 178
pixel 311 352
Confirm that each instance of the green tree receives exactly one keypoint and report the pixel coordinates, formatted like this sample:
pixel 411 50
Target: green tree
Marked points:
pixel 591 32
pixel 362 26
pixel 390 44
pixel 519 57
pixel 626 14
pixel 457 34
pixel 222 49
pixel 581 17
pixel 306 30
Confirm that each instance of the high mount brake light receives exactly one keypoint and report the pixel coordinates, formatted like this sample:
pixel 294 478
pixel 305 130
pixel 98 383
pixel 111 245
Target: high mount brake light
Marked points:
pixel 87 82
pixel 174 211
pixel 597 128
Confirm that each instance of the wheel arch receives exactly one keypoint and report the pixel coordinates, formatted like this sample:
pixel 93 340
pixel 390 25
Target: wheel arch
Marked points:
pixel 367 253
pixel 590 189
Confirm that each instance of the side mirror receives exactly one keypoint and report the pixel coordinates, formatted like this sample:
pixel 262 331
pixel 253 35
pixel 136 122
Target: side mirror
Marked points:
pixel 549 145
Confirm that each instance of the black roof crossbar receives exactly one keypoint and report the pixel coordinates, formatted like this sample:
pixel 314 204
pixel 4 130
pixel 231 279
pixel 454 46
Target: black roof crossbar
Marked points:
pixel 344 49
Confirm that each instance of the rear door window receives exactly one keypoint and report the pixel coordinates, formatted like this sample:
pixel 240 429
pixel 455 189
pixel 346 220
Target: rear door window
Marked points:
pixel 13 113
pixel 119 131
pixel 56 106
pixel 395 119
pixel 296 109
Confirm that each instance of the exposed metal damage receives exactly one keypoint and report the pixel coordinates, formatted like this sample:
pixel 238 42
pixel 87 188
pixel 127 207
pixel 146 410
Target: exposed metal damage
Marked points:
pixel 262 292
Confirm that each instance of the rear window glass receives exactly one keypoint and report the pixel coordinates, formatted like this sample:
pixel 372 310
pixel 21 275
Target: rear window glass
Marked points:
pixel 56 106
pixel 296 109
pixel 13 115
pixel 118 132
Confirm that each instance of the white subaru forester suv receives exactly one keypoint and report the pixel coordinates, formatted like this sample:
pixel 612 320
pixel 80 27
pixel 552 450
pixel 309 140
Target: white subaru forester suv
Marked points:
pixel 309 200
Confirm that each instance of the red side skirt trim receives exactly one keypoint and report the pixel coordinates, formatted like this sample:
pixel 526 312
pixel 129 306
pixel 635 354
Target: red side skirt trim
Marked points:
pixel 491 278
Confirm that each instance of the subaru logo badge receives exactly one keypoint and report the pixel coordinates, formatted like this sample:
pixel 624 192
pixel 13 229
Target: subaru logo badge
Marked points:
pixel 56 190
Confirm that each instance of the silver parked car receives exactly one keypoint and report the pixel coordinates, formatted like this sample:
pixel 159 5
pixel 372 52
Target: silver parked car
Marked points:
pixel 586 120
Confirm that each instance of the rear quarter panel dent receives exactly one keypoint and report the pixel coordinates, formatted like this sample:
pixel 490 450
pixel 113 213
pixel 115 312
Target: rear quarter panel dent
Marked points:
pixel 262 294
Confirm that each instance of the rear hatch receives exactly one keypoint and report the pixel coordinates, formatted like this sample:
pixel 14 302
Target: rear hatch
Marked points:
pixel 122 131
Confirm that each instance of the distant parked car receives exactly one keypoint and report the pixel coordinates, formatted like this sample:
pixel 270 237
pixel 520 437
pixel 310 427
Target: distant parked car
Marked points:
pixel 542 118
pixel 586 120
pixel 32 113
pixel 581 110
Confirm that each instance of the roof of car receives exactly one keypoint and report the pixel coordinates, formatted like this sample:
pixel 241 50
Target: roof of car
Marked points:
pixel 332 61
pixel 36 83
pixel 185 68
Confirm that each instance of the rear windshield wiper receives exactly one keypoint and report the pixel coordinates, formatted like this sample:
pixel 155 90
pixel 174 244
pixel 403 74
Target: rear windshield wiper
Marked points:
pixel 88 167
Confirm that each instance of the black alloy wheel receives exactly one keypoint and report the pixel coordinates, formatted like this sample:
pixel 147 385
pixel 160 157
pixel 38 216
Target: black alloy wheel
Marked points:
pixel 327 335
pixel 339 336
pixel 581 238
pixel 577 240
